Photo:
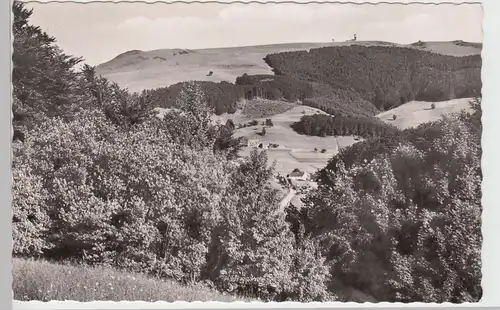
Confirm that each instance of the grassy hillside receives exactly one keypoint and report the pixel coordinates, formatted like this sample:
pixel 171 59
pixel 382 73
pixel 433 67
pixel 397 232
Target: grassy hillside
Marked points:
pixel 45 281
pixel 414 113
pixel 139 70
pixel 292 149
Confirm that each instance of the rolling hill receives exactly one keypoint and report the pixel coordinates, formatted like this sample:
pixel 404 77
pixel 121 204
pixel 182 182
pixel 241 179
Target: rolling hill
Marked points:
pixel 414 113
pixel 139 70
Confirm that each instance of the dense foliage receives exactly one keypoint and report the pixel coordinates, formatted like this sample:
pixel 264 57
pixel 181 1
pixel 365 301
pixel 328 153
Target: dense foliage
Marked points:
pixel 224 96
pixel 399 217
pixel 107 182
pixel 339 125
pixel 385 76
pixel 42 74
pixel 274 87
pixel 339 101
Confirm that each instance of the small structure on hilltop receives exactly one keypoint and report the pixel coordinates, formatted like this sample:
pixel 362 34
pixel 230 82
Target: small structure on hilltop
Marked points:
pixel 353 39
pixel 297 174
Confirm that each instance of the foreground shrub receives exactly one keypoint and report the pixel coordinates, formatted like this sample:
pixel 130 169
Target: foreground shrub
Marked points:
pixel 255 242
pixel 30 219
pixel 257 253
pixel 137 199
pixel 112 204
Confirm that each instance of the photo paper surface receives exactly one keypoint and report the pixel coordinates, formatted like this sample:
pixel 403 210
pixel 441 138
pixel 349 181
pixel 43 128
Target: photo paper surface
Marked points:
pixel 246 152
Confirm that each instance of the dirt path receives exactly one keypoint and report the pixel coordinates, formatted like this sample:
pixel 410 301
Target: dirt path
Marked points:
pixel 286 200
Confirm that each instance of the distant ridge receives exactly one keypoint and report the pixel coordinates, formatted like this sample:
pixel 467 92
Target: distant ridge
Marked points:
pixel 138 70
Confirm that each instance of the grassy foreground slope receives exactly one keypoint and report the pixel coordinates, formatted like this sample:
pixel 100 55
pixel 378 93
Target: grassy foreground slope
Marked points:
pixel 45 281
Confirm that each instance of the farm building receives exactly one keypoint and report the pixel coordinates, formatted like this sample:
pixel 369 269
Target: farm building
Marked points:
pixel 297 174
pixel 244 141
pixel 253 143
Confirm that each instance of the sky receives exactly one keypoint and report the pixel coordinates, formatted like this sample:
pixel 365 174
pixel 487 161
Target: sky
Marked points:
pixel 100 31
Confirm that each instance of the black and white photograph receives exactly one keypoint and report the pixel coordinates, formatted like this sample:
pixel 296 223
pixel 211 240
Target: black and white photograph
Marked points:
pixel 246 152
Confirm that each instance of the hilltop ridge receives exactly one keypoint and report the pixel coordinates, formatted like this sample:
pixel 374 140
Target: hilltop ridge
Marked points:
pixel 139 70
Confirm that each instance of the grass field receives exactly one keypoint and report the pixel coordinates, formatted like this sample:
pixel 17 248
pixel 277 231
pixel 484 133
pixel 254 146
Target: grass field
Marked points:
pixel 41 280
pixel 138 70
pixel 294 150
pixel 414 113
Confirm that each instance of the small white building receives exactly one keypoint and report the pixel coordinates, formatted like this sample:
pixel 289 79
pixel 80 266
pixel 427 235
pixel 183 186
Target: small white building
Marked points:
pixel 297 175
pixel 253 143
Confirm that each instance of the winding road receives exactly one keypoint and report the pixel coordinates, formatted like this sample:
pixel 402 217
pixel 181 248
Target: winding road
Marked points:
pixel 286 200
